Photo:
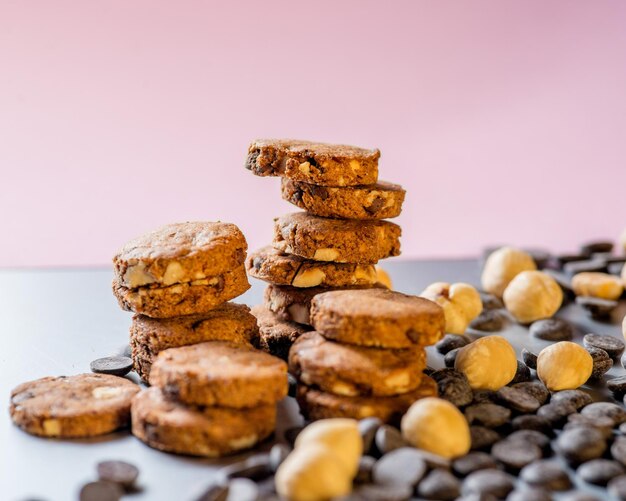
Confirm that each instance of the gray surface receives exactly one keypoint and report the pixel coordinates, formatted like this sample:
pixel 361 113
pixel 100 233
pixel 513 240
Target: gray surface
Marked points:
pixel 56 322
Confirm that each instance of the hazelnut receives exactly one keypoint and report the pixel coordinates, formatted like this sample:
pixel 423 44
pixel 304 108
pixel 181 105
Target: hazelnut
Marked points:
pixel 502 266
pixel 461 303
pixel 532 295
pixel 309 277
pixel 597 284
pixel 312 473
pixel 489 363
pixel 382 277
pixel 564 366
pixel 435 425
pixel 326 254
pixel 341 435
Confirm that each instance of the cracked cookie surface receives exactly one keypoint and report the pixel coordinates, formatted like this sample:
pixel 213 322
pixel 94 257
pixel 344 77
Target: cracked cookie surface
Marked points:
pixel 315 163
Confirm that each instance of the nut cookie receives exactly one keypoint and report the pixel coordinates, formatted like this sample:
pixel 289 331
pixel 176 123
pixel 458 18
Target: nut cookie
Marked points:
pixel 199 431
pixel 85 405
pixel 199 296
pixel 377 317
pixel 276 267
pixel 351 370
pixel 316 404
pixel 337 240
pixel 315 163
pixel 293 304
pixel 276 335
pixel 180 253
pixel 219 373
pixel 228 322
pixel 377 201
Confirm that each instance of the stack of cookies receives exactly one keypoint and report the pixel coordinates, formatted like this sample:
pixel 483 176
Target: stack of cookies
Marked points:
pixel 178 279
pixel 212 392
pixel 334 245
pixel 365 356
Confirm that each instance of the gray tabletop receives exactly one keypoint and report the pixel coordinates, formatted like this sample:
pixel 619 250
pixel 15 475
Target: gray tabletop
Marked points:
pixel 54 322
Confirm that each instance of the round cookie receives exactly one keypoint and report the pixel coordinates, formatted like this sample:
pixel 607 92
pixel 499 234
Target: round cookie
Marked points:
pixel 276 335
pixel 337 240
pixel 377 201
pixel 210 431
pixel 180 253
pixel 316 404
pixel 217 373
pixel 352 370
pixel 85 405
pixel 199 296
pixel 377 317
pixel 316 163
pixel 228 322
pixel 275 267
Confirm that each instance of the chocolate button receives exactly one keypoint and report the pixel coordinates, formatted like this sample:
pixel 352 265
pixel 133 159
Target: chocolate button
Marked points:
pixel 517 400
pixel 100 491
pixel 546 474
pixel 602 363
pixel 596 307
pixel 529 358
pixel 605 409
pixel 515 454
pixel 489 415
pixel 472 462
pixel 483 438
pixel 494 482
pixel 580 444
pixel 439 485
pixel 115 366
pixel 401 466
pixel 368 428
pixel 552 329
pixel 118 472
pixel 612 345
pixel 489 321
pixel 453 386
pixel 450 342
pixel 388 439
pixel 617 487
pixel 534 388
pixel 599 471
pixel 577 398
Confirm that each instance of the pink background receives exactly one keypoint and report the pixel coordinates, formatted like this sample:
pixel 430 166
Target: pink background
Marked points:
pixel 505 120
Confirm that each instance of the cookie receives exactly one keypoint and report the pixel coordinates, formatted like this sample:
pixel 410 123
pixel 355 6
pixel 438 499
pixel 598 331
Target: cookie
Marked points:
pixel 376 201
pixel 276 335
pixel 351 370
pixel 315 163
pixel 337 240
pixel 199 296
pixel 85 405
pixel 292 304
pixel 199 431
pixel 218 373
pixel 228 322
pixel 276 267
pixel 180 253
pixel 377 317
pixel 316 404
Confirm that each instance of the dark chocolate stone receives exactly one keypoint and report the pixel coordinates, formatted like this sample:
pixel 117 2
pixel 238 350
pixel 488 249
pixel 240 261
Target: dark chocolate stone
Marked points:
pixel 515 454
pixel 605 409
pixel 529 358
pixel 255 467
pixel 100 491
pixel 580 444
pixel 546 474
pixel 617 385
pixel 517 400
pixel 364 473
pixel 453 386
pixel 118 472
pixel 494 482
pixel 388 438
pixel 522 374
pixel 617 487
pixel 532 422
pixel 472 462
pixel 618 450
pixel 529 494
pixel 439 485
pixel 541 440
pixel 489 415
pixel 400 466
pixel 583 266
pixel 115 366
pixel 598 308
pixel 483 438
pixel 597 246
pixel 599 471
pixel 450 358
pixel 611 344
pixel 535 388
pixel 489 321
pixel 556 412
pixel 552 329
pixel 602 363
pixel 577 398
pixel 603 424
pixel 451 342
pixel 491 302
pixel 368 428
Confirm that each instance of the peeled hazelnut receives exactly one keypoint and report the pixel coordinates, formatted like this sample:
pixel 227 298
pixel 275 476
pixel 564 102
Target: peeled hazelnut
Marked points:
pixel 489 363
pixel 435 425
pixel 312 473
pixel 564 366
pixel 597 284
pixel 339 434
pixel 533 295
pixel 502 266
pixel 309 277
pixel 326 254
pixel 382 277
pixel 461 303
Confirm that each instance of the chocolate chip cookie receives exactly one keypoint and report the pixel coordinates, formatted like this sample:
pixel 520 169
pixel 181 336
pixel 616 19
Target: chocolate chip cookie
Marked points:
pixel 188 298
pixel 180 253
pixel 276 335
pixel 315 163
pixel 200 431
pixel 337 240
pixel 228 322
pixel 377 201
pixel 278 268
pixel 377 317
pixel 85 405
pixel 351 370
pixel 219 373
pixel 316 404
